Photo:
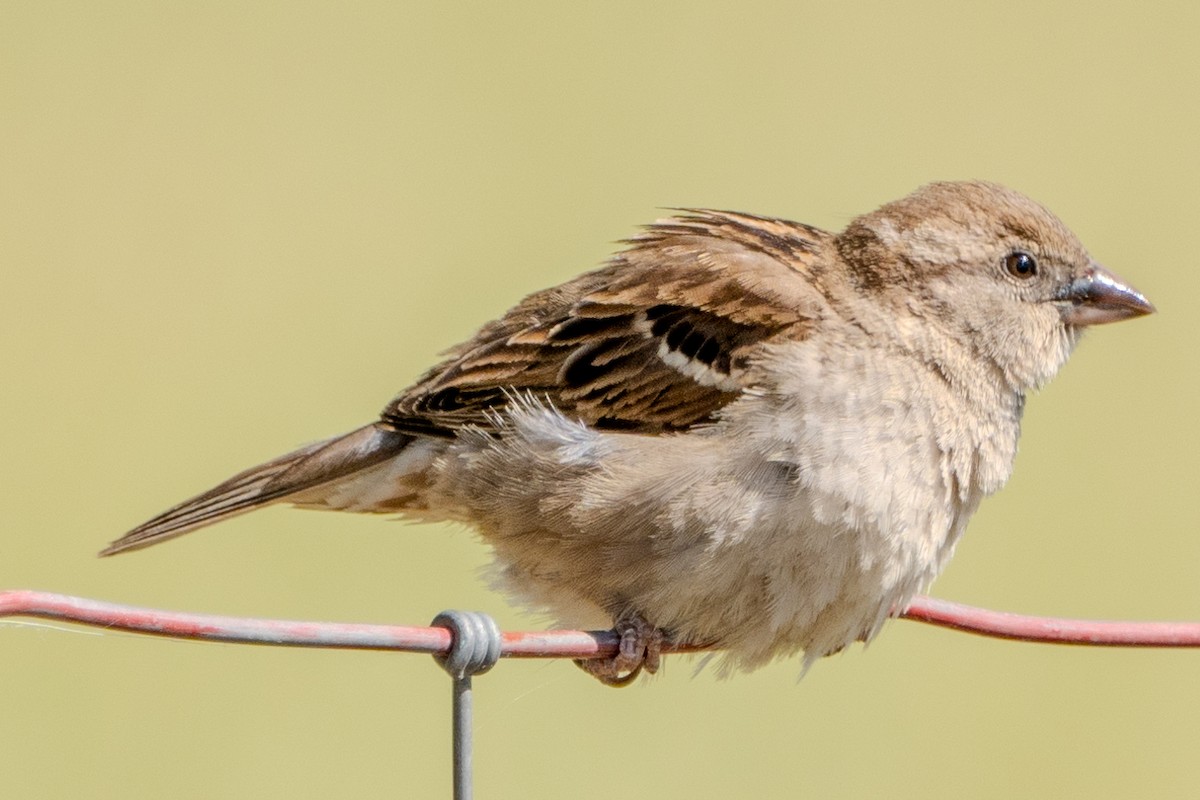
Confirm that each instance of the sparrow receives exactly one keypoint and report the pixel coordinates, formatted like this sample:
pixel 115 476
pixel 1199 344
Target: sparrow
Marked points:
pixel 741 432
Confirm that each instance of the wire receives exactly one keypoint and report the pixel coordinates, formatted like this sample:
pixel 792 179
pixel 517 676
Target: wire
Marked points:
pixel 550 644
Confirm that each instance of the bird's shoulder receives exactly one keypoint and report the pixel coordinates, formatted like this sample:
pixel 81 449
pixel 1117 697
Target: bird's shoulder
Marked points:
pixel 657 340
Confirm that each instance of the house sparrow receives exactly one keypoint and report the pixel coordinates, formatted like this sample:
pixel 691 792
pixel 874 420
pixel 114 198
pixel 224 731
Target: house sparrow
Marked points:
pixel 742 431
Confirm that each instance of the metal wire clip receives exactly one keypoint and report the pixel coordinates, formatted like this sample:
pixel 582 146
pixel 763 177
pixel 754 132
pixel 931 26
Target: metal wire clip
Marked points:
pixel 474 649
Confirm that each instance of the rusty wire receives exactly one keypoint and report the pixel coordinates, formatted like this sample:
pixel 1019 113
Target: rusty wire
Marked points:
pixel 467 644
pixel 550 644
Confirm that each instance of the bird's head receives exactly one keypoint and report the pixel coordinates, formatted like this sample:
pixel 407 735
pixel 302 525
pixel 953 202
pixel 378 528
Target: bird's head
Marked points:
pixel 997 270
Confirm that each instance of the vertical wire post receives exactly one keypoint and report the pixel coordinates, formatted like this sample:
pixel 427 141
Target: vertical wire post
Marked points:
pixel 474 649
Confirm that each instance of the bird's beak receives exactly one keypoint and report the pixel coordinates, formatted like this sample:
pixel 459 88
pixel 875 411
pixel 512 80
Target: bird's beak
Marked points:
pixel 1100 297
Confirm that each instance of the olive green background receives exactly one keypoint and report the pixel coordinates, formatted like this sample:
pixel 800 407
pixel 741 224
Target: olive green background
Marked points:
pixel 227 229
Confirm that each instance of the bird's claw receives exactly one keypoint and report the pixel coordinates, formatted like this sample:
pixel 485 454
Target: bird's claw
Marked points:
pixel 640 649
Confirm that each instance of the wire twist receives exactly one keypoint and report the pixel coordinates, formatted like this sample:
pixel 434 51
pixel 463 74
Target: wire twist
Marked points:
pixel 475 643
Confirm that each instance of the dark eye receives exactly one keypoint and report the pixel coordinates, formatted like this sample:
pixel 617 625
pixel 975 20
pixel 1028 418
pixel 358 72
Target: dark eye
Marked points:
pixel 1020 265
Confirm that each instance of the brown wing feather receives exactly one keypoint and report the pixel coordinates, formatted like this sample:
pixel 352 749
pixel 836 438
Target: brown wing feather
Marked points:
pixel 658 340
pixel 280 479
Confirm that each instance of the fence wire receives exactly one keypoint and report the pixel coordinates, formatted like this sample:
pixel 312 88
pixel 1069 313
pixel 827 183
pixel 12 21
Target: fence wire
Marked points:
pixel 466 644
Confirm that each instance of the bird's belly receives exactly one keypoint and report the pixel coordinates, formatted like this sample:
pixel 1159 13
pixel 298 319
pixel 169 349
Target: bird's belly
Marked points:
pixel 700 534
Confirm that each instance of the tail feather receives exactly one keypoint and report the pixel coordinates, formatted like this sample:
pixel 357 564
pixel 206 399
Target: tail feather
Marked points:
pixel 268 483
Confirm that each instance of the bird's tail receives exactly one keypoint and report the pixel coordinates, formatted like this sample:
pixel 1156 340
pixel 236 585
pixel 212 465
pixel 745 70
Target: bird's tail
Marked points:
pixel 268 483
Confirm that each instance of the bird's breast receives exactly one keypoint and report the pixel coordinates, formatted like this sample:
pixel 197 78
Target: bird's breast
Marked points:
pixel 797 522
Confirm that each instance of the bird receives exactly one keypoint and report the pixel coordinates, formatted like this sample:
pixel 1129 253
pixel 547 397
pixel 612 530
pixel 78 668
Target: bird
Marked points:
pixel 739 432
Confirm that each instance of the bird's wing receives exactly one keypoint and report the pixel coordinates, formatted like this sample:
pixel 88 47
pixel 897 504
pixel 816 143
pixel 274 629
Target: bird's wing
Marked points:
pixel 658 340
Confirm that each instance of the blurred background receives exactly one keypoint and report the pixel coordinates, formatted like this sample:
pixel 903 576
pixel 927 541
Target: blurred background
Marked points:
pixel 229 229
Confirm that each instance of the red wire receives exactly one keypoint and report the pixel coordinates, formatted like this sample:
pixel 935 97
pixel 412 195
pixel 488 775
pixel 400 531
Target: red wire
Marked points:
pixel 549 644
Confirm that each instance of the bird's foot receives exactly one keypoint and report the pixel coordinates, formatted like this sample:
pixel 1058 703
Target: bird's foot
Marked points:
pixel 640 648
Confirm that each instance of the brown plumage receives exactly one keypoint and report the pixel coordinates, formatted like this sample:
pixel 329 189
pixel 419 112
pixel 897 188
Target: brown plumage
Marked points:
pixel 741 431
pixel 659 340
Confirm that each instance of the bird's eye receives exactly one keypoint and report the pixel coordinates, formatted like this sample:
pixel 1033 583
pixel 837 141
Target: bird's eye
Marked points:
pixel 1020 265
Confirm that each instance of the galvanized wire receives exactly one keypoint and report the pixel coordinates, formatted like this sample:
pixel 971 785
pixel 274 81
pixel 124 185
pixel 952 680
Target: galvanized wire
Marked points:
pixel 468 643
pixel 474 649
